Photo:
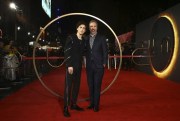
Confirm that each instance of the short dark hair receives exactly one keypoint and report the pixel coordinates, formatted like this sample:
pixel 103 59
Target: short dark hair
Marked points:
pixel 80 23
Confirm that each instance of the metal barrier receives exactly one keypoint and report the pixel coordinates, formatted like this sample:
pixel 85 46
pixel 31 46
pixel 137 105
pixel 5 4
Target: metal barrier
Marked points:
pixel 140 56
pixel 132 57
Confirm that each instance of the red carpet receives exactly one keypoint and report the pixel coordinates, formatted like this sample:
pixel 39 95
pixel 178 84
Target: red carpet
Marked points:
pixel 134 96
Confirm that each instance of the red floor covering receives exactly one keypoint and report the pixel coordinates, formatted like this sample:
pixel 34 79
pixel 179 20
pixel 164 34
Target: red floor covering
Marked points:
pixel 135 96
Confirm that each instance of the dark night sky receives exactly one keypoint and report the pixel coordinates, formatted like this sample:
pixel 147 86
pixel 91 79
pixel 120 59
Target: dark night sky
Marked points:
pixel 121 16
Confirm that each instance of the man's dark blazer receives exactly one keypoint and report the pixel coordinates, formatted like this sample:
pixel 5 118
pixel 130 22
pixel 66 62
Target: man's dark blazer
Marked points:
pixel 99 53
pixel 95 58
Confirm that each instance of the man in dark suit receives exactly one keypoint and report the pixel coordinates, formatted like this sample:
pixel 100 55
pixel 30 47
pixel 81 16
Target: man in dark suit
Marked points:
pixel 74 49
pixel 96 60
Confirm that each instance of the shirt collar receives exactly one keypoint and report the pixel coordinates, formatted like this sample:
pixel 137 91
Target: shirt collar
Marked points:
pixel 93 35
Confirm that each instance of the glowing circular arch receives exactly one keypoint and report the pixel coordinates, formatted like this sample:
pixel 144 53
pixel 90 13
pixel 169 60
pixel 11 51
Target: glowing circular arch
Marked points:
pixel 75 14
pixel 168 70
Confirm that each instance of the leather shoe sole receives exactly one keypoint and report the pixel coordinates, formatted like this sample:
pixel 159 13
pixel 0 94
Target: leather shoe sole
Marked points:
pixel 96 109
pixel 66 114
pixel 76 108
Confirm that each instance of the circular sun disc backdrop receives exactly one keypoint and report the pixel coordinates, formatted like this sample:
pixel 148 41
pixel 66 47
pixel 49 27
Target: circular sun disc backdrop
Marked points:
pixel 165 48
pixel 60 76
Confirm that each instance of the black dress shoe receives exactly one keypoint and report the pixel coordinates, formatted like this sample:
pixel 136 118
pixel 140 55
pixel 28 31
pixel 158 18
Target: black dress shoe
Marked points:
pixel 76 107
pixel 66 112
pixel 96 109
pixel 90 107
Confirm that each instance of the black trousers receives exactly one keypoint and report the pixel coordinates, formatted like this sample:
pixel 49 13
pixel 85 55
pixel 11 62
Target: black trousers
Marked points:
pixel 94 76
pixel 72 85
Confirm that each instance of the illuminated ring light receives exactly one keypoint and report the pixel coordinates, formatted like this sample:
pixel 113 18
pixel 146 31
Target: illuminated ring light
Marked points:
pixel 168 70
pixel 47 59
pixel 74 14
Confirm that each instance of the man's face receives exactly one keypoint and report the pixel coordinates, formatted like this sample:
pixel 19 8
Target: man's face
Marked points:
pixel 93 27
pixel 81 29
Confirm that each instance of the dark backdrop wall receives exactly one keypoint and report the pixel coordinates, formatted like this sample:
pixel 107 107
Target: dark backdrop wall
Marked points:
pixel 156 34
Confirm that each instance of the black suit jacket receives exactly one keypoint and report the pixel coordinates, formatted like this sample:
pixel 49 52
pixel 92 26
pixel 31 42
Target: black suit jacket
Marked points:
pixel 99 53
pixel 73 50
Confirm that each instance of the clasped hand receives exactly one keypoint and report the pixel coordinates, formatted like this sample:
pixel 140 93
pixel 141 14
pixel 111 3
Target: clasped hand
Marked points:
pixel 70 70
